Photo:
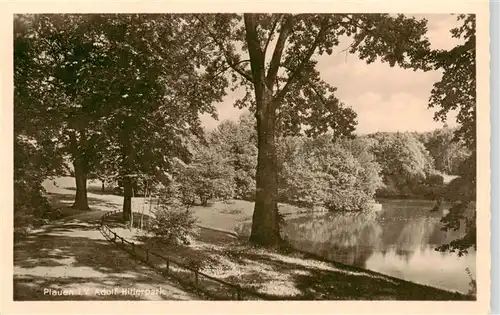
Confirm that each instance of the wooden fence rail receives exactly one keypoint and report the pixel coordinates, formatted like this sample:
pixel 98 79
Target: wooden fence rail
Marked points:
pixel 199 282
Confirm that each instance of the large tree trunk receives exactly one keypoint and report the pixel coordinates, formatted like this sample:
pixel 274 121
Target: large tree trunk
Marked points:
pixel 81 201
pixel 265 223
pixel 127 199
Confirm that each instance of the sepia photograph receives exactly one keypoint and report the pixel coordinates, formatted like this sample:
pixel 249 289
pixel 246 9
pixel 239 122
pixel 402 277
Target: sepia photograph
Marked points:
pixel 249 156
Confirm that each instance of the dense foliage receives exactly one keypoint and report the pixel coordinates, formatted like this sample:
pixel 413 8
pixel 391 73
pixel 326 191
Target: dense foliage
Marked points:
pixel 130 126
pixel 208 176
pixel 447 151
pixel 236 142
pixel 407 167
pixel 457 91
pixel 327 174
pixel 32 164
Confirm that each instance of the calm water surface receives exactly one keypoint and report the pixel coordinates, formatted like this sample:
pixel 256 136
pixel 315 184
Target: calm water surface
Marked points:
pixel 399 241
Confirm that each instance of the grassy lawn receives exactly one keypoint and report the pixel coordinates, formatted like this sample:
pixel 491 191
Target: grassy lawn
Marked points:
pixel 227 215
pixel 217 215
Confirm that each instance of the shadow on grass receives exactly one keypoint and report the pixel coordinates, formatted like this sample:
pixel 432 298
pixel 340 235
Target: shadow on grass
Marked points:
pixel 96 190
pixel 258 269
pixel 65 201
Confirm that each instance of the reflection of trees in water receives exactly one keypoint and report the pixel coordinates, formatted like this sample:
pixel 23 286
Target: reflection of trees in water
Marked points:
pixel 403 229
pixel 398 214
pixel 389 251
pixel 347 238
pixel 352 238
pixel 416 234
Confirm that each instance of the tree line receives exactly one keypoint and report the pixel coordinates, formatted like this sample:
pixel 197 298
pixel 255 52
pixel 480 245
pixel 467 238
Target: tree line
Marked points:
pixel 121 94
pixel 335 174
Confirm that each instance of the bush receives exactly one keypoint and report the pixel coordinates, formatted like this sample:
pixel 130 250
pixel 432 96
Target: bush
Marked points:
pixel 434 179
pixel 323 173
pixel 245 185
pixel 173 221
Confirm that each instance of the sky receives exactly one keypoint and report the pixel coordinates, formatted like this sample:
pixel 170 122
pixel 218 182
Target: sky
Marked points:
pixel 385 98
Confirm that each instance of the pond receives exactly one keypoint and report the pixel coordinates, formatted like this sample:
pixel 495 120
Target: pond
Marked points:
pixel 398 241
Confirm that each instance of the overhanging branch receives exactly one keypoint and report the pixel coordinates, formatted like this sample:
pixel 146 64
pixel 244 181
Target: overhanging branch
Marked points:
pixel 229 67
pixel 233 65
pixel 307 57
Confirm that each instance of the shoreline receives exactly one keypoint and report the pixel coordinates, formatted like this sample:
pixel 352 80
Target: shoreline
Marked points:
pixel 208 233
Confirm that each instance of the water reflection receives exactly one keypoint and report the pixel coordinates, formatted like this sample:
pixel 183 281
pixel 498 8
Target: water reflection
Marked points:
pixel 399 241
pixel 349 239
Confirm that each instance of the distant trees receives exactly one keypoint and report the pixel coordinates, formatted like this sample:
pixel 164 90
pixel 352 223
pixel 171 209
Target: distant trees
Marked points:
pixel 405 162
pixel 336 174
pixel 448 153
pixel 32 165
pixel 208 176
pixel 237 142
pixel 317 172
pixel 222 164
pixel 324 173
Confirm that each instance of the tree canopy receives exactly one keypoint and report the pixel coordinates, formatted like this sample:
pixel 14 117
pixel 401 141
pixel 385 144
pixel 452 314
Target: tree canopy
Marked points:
pixel 283 87
pixel 115 92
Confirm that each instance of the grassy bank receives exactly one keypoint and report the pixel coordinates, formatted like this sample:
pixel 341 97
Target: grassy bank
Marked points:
pixel 279 274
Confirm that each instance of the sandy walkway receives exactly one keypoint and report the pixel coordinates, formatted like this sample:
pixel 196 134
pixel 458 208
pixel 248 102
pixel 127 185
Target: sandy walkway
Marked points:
pixel 71 260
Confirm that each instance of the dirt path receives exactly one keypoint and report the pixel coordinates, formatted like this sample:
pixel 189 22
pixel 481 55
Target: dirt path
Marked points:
pixel 71 260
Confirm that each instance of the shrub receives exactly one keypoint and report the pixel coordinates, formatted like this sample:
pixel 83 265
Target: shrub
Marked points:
pixel 323 173
pixel 434 179
pixel 173 221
